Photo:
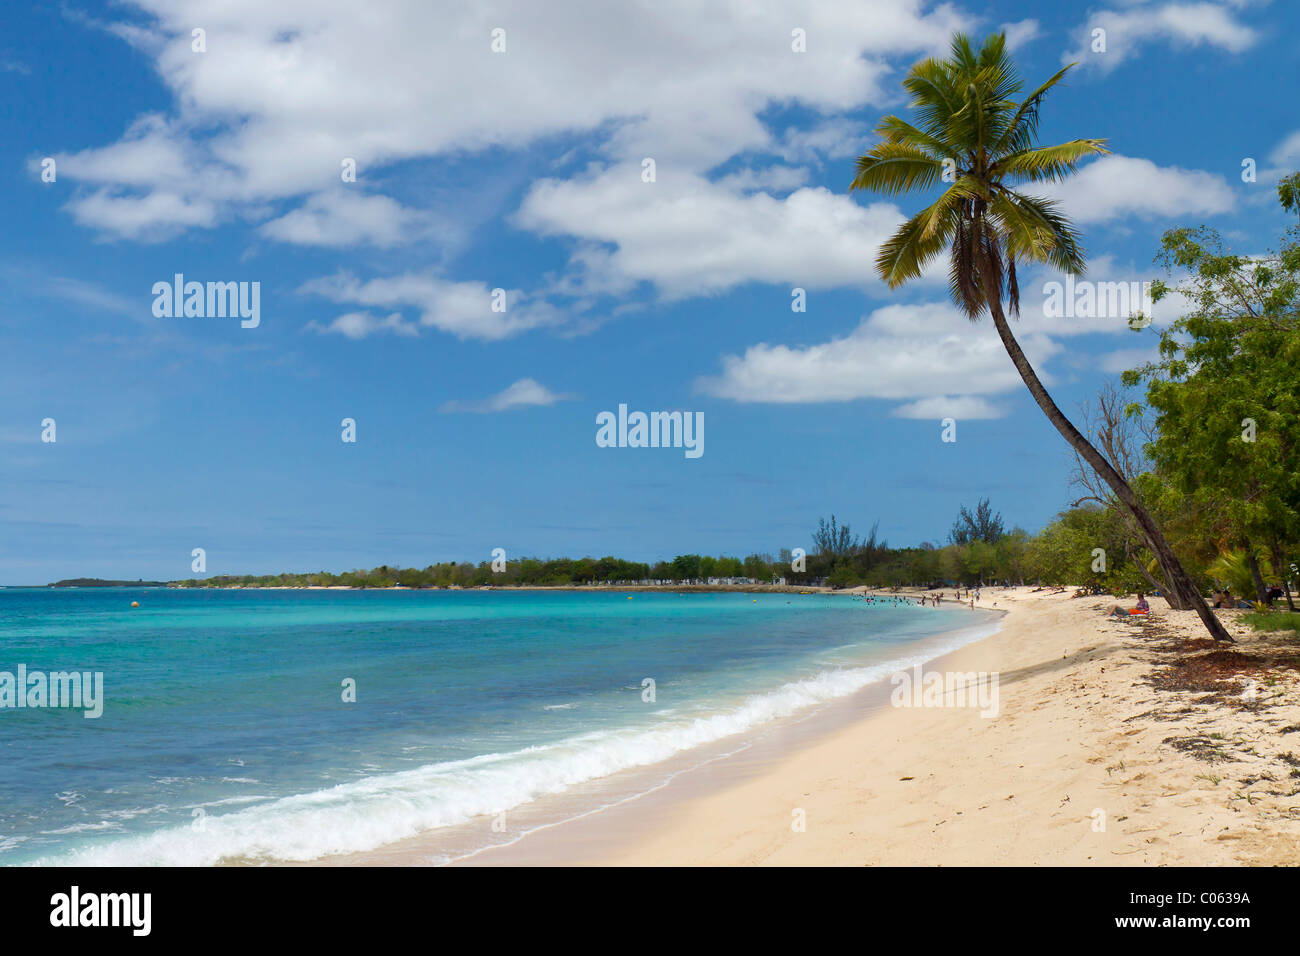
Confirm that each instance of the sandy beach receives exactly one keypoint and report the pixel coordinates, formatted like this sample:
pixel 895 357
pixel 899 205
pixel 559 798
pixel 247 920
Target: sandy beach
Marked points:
pixel 1108 749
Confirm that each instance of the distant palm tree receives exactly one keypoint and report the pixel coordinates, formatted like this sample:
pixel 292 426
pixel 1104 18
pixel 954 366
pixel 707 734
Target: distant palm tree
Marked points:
pixel 973 135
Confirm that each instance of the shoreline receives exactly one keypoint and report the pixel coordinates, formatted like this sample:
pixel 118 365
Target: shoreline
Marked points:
pixel 1089 761
pixel 614 588
pixel 633 788
pixel 1079 768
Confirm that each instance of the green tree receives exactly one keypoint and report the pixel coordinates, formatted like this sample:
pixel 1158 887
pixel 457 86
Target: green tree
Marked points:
pixel 982 525
pixel 1225 397
pixel 757 567
pixel 972 129
pixel 686 567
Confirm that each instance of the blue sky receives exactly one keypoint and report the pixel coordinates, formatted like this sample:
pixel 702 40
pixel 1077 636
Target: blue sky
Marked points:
pixel 522 170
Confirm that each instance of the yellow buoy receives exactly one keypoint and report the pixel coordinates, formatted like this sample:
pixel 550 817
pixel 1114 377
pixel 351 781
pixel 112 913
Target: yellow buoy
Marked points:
pixel 135 603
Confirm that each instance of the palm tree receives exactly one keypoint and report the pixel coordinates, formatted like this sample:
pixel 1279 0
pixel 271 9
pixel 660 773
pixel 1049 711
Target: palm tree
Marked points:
pixel 973 135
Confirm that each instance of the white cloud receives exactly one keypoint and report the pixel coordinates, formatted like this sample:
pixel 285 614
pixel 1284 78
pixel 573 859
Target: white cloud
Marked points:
pixel 462 308
pixel 1020 33
pixel 1282 160
pixel 341 218
pixel 929 358
pixel 770 179
pixel 521 394
pixel 359 325
pixel 689 236
pixel 152 217
pixel 1287 152
pixel 923 355
pixel 286 91
pixel 1181 24
pixel 151 154
pixel 1120 360
pixel 1116 186
pixel 961 407
pixel 835 138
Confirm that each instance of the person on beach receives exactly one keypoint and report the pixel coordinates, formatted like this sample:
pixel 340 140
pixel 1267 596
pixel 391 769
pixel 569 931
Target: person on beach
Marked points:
pixel 1142 608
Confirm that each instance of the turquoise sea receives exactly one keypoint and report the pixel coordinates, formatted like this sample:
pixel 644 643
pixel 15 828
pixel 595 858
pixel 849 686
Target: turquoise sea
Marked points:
pixel 225 735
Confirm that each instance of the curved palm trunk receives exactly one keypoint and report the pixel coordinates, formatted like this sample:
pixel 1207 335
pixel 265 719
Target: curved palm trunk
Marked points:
pixel 1169 562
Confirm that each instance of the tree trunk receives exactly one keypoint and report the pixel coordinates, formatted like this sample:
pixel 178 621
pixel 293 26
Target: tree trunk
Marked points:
pixel 1280 569
pixel 1261 592
pixel 1155 585
pixel 1178 601
pixel 1169 562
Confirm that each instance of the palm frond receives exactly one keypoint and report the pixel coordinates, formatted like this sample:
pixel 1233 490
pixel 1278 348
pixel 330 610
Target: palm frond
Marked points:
pixel 1023 127
pixel 893 168
pixel 894 129
pixel 1047 163
pixel 953 203
pixel 904 254
pixel 934 97
pixel 1055 240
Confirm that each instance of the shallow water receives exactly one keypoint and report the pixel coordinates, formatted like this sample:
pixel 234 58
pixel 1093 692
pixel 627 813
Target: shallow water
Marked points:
pixel 225 735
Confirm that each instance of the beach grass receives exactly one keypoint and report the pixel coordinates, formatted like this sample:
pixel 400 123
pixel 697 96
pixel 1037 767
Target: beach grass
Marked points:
pixel 1273 620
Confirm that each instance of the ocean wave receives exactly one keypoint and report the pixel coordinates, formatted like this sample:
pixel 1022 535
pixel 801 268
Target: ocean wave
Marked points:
pixel 376 810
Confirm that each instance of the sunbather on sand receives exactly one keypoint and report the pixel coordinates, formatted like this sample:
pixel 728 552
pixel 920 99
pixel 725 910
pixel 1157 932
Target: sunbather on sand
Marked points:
pixel 1142 608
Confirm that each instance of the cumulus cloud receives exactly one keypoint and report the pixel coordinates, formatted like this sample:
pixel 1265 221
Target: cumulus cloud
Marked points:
pixel 775 178
pixel 1116 186
pixel 464 309
pixel 340 218
pixel 946 406
pixel 927 356
pixel 285 92
pixel 688 236
pixel 1181 24
pixel 1020 33
pixel 152 217
pixel 835 138
pixel 1287 152
pixel 1120 360
pixel 359 325
pixel 521 394
pixel 936 364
